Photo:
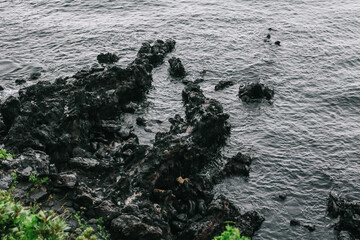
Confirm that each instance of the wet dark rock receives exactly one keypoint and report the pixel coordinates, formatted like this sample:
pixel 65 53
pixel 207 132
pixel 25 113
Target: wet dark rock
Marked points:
pixel 334 204
pixel 176 68
pixel 344 235
pixel 255 91
pixel 297 222
pixel 155 54
pixel 223 84
pixel 1 88
pixel 68 180
pixel 132 227
pixel 205 117
pixel 20 81
pixel 283 196
pixel 10 109
pixel 35 75
pixel 177 226
pixel 5 181
pixel 239 165
pixel 277 43
pixel 38 195
pixel 107 58
pixel 186 82
pixel 140 121
pixel 130 108
pixel 29 162
pixel 107 210
pixel 267 39
pixel 199 80
pixel 84 163
pixel 348 213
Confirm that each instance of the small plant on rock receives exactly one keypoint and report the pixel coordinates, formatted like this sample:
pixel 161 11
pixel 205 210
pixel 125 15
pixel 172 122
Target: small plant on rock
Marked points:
pixel 87 235
pixel 79 215
pixel 231 233
pixel 5 155
pixel 37 181
pixel 103 233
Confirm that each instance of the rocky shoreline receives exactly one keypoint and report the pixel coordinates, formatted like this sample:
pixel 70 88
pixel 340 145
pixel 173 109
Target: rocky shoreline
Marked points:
pixel 71 131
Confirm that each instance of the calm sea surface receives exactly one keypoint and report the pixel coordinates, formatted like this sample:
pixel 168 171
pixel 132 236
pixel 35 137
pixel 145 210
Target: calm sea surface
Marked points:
pixel 305 144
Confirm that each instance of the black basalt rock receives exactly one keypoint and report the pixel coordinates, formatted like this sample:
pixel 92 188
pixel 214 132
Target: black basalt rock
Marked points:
pixel 176 68
pixel 20 81
pixel 223 84
pixel 10 109
pixel 155 53
pixel 255 91
pixel 297 222
pixel 73 131
pixel 348 213
pixel 35 75
pixel 107 58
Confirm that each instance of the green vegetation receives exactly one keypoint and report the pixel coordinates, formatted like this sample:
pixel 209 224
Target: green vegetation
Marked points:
pixel 19 222
pixel 103 233
pixel 5 155
pixel 30 223
pixel 87 231
pixel 87 235
pixel 36 180
pixel 231 233
pixel 80 219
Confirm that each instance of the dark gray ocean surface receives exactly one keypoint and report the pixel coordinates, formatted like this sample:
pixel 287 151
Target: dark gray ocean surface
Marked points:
pixel 306 143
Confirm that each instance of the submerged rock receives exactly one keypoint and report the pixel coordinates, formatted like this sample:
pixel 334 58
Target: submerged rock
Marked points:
pixel 107 58
pixel 35 75
pixel 283 195
pixel 297 222
pixel 223 84
pixel 140 121
pixel 255 91
pixel 176 68
pixel 20 81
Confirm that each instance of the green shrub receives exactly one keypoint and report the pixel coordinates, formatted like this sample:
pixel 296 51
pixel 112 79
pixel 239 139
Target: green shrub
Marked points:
pixel 29 223
pixel 231 233
pixel 5 155
pixel 87 235
pixel 19 222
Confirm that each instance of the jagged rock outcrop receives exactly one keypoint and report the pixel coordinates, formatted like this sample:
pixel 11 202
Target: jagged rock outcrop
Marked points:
pixel 255 91
pixel 107 58
pixel 348 213
pixel 176 68
pixel 71 131
pixel 223 84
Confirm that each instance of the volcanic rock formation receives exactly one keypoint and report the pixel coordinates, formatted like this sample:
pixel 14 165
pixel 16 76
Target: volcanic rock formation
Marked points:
pixel 72 131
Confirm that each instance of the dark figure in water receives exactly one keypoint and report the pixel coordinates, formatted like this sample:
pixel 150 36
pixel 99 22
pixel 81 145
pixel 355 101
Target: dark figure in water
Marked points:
pixel 277 43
